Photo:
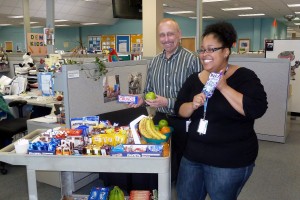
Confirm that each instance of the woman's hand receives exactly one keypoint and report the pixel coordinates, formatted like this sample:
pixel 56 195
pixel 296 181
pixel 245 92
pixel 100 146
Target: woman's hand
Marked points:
pixel 222 82
pixel 198 101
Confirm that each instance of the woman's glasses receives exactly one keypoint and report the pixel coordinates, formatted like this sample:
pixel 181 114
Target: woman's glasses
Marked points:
pixel 209 50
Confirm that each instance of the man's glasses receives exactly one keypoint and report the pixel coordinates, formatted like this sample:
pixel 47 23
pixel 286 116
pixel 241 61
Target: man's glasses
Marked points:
pixel 209 50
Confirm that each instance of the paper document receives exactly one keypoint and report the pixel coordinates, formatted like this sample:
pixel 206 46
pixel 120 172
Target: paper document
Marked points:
pixel 46 119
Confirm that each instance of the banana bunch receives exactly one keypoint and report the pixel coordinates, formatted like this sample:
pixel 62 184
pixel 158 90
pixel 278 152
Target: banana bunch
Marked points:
pixel 147 129
pixel 116 194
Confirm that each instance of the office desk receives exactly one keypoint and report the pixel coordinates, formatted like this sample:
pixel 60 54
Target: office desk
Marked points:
pixel 32 99
pixel 69 164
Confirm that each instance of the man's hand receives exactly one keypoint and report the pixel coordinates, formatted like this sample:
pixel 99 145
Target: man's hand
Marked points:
pixel 160 101
pixel 140 102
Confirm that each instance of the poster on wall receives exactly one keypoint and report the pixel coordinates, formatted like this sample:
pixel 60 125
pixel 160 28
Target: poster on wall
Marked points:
pixel 35 44
pixel 135 83
pixel 94 43
pixel 49 36
pixel 136 41
pixel 107 41
pixel 122 42
pixel 244 45
pixel 111 88
pixel 289 49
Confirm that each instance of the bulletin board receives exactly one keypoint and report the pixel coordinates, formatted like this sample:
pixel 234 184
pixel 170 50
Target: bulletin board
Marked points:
pixel 108 41
pixel 136 42
pixel 35 44
pixel 94 43
pixel 123 43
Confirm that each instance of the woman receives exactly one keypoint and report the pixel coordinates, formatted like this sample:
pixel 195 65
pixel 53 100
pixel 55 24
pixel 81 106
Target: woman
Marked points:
pixel 219 157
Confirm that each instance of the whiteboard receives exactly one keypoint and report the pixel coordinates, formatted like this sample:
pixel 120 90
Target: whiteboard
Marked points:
pixel 280 46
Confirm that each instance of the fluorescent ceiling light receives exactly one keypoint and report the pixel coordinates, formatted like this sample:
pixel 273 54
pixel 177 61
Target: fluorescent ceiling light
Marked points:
pixel 37 27
pixel 293 5
pixel 251 15
pixel 297 12
pixel 61 20
pixel 62 25
pixel 5 24
pixel 30 22
pixel 298 24
pixel 203 17
pixel 239 8
pixel 15 17
pixel 208 1
pixel 180 12
pixel 88 23
pixel 297 18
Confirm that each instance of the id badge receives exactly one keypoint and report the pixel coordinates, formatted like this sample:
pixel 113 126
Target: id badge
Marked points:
pixel 187 124
pixel 202 126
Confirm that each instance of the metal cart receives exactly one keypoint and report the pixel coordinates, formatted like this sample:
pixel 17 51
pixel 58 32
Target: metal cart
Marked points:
pixel 68 164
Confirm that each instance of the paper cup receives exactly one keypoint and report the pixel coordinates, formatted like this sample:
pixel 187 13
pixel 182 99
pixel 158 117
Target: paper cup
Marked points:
pixel 21 146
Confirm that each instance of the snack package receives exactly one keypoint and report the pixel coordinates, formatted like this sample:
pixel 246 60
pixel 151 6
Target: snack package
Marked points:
pixel 211 84
pixel 128 99
pixel 76 121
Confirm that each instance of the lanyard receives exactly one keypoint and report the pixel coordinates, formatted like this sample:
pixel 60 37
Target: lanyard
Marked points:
pixel 205 106
pixel 206 100
pixel 226 69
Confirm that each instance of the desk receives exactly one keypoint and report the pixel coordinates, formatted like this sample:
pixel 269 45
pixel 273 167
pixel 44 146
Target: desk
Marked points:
pixel 32 100
pixel 69 164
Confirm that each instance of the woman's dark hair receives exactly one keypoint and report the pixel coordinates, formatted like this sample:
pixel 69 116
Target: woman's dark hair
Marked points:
pixel 224 32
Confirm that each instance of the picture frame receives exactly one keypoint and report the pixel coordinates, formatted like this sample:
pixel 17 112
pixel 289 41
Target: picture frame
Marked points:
pixel 244 45
pixel 7 90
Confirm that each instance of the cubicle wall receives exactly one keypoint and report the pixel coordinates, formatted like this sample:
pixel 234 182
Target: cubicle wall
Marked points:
pixel 274 75
pixel 84 96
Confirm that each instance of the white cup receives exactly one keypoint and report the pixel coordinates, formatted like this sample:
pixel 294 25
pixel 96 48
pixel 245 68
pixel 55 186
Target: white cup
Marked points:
pixel 21 146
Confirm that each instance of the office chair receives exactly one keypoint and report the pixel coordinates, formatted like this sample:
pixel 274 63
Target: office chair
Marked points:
pixel 11 126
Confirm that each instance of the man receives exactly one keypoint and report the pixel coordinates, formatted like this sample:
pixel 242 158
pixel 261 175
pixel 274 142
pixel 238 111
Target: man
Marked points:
pixel 165 76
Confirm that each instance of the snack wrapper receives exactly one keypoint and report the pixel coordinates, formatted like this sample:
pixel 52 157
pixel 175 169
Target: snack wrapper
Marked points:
pixel 128 99
pixel 211 84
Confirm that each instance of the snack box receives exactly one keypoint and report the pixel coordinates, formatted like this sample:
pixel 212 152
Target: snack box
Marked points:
pixel 139 150
pixel 38 152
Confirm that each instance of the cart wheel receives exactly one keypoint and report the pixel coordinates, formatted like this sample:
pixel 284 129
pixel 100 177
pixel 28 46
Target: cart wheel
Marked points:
pixel 3 171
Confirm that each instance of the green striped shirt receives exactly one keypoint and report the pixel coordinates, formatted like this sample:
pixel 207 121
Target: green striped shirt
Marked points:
pixel 165 76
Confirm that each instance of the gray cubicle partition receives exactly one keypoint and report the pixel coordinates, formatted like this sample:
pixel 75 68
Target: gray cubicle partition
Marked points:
pixel 84 96
pixel 274 75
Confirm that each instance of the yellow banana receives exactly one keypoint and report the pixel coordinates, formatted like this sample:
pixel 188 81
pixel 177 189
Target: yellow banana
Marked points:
pixel 151 130
pixel 142 128
pixel 156 132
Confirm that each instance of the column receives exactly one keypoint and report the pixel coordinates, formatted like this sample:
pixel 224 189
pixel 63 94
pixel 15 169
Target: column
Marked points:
pixel 50 21
pixel 199 24
pixel 152 14
pixel 26 21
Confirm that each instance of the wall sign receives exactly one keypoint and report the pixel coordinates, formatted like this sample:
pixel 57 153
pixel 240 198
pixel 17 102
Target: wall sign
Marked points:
pixel 123 43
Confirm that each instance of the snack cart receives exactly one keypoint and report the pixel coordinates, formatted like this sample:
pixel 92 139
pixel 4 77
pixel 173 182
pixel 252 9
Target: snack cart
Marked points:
pixel 68 164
